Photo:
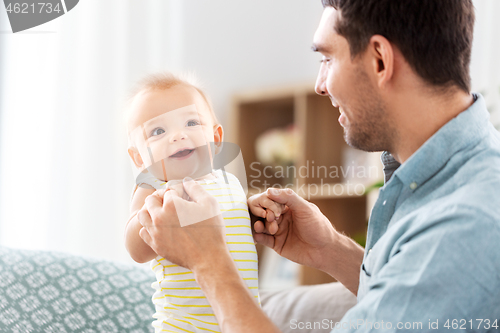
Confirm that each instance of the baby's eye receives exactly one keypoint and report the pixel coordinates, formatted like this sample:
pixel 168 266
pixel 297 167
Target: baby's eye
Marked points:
pixel 157 131
pixel 193 123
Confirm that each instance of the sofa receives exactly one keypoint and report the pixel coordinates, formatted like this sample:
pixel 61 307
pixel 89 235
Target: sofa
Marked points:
pixel 49 292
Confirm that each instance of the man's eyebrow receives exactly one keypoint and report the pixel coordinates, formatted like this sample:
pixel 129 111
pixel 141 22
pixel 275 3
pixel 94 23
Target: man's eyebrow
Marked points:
pixel 318 48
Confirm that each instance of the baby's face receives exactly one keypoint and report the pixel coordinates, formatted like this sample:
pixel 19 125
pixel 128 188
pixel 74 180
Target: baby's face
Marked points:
pixel 173 132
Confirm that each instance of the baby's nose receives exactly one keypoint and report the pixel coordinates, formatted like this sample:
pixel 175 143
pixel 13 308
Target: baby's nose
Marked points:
pixel 178 136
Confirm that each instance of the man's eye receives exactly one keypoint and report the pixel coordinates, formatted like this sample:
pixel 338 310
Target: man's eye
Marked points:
pixel 192 123
pixel 157 131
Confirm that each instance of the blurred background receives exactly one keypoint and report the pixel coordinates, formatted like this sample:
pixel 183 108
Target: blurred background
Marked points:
pixel 65 176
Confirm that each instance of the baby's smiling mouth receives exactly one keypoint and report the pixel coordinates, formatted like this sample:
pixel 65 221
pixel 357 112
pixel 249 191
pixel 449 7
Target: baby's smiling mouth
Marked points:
pixel 182 153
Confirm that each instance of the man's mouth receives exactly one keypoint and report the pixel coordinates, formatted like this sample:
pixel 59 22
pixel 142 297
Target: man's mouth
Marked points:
pixel 182 153
pixel 334 103
pixel 342 118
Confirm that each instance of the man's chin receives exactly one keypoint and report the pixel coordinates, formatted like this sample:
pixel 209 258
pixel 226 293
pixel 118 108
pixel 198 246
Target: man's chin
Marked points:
pixel 357 140
pixel 363 142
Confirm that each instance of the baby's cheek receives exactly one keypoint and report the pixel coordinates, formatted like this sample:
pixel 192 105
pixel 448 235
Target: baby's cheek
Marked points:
pixel 159 150
pixel 198 139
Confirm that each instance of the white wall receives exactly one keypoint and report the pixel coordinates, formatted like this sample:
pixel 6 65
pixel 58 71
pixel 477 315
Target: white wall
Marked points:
pixel 485 62
pixel 235 45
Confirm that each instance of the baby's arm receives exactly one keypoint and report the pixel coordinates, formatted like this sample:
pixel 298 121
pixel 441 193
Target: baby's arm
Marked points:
pixel 136 247
pixel 261 206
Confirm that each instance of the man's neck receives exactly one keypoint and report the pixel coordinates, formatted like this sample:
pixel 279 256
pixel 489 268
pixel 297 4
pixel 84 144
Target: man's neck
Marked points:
pixel 418 118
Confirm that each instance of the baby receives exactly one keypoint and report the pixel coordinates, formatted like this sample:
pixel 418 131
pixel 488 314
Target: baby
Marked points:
pixel 173 133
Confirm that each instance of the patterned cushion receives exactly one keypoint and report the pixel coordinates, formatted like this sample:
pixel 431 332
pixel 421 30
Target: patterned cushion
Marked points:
pixel 55 292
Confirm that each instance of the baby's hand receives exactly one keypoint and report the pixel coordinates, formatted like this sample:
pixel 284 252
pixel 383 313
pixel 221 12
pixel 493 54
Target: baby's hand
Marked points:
pixel 177 186
pixel 261 206
pixel 160 193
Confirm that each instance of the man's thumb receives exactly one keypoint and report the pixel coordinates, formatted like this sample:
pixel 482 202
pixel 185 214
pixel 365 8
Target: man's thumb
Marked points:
pixel 195 191
pixel 284 196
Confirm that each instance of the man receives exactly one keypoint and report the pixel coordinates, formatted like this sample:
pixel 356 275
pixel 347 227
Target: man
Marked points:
pixel 399 73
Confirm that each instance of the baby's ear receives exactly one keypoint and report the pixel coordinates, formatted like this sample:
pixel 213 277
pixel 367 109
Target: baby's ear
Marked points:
pixel 218 137
pixel 136 157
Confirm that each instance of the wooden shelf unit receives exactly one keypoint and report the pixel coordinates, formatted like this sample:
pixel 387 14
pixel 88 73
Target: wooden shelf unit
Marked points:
pixel 321 144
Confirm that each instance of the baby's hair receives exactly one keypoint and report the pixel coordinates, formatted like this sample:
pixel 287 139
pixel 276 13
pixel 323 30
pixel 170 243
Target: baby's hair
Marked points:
pixel 167 80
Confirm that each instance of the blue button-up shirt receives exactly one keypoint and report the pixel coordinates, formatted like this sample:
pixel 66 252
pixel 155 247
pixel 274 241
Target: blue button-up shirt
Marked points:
pixel 432 258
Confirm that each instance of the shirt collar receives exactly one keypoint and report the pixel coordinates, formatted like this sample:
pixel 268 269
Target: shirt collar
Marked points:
pixel 390 165
pixel 466 129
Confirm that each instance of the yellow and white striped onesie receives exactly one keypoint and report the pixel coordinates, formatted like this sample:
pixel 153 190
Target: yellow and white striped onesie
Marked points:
pixel 180 303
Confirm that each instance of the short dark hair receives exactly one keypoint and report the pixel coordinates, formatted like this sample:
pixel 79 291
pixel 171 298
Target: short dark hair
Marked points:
pixel 434 36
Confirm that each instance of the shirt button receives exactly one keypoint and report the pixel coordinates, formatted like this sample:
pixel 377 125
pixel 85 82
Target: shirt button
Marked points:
pixel 369 251
pixel 385 201
pixel 413 185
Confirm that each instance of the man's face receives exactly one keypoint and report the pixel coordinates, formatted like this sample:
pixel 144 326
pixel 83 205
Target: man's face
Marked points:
pixel 350 88
pixel 174 143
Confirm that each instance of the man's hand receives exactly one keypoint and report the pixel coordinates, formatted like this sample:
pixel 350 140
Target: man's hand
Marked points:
pixel 306 236
pixel 262 206
pixel 187 246
pixel 303 232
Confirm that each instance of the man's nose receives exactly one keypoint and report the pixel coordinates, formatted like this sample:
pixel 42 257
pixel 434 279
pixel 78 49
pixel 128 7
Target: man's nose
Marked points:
pixel 178 136
pixel 320 86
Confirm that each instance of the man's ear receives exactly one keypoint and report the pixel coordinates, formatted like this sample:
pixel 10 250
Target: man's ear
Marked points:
pixel 218 138
pixel 136 157
pixel 381 53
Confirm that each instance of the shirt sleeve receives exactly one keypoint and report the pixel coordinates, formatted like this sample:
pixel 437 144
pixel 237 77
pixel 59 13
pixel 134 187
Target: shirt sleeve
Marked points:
pixel 444 274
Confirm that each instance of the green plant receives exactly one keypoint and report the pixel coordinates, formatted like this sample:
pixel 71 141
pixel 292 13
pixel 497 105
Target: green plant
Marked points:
pixel 374 186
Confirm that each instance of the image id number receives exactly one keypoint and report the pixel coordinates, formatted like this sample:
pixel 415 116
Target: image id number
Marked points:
pixel 40 7
pixel 463 324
